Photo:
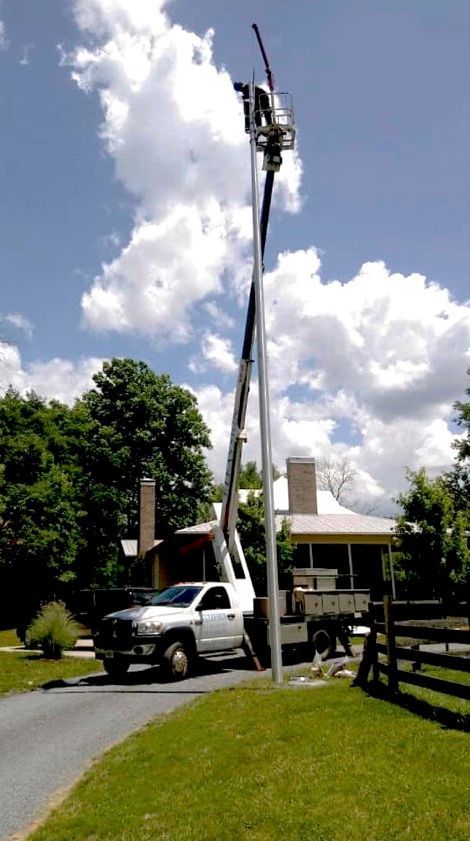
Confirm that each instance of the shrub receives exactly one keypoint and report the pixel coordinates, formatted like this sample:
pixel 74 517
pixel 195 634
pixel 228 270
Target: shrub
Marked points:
pixel 53 630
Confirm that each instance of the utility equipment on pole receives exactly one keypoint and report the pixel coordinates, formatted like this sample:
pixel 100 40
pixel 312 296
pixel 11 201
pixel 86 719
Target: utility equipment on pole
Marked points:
pixel 270 123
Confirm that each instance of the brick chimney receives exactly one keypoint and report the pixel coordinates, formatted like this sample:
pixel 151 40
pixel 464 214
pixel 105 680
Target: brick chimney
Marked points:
pixel 302 486
pixel 146 515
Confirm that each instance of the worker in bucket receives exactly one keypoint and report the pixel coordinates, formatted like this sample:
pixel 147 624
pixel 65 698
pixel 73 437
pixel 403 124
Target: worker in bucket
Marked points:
pixel 262 105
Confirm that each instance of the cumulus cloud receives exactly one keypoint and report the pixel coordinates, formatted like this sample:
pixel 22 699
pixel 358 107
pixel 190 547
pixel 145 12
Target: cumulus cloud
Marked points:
pixel 3 37
pixel 216 353
pixel 19 321
pixel 174 127
pixel 383 353
pixel 58 379
pixel 397 343
pixel 218 315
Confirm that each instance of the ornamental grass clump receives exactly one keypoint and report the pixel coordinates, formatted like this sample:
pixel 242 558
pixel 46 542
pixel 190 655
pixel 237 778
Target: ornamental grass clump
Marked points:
pixel 54 630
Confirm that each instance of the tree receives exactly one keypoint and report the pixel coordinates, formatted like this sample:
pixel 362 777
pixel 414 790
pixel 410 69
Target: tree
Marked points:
pixel 252 534
pixel 463 420
pixel 336 475
pixel 250 477
pixel 144 425
pixel 435 559
pixel 458 479
pixel 40 508
pixel 69 476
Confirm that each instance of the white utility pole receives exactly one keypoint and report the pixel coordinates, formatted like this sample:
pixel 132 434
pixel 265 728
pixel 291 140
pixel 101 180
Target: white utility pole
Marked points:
pixel 265 427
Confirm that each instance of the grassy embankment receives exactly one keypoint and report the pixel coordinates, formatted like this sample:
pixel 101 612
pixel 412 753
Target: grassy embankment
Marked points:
pixel 21 671
pixel 324 764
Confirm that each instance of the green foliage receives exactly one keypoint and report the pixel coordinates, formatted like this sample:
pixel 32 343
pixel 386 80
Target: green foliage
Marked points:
pixel 463 420
pixel 39 506
pixel 435 559
pixel 217 493
pixel 252 534
pixel 53 630
pixel 143 425
pixel 69 479
pixel 250 477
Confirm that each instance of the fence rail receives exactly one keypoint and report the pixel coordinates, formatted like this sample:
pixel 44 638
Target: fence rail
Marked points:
pixel 447 687
pixel 423 632
pixel 394 652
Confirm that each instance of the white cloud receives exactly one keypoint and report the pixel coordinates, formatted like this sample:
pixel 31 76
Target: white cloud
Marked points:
pixel 221 318
pixel 216 353
pixel 21 322
pixel 174 127
pixel 26 51
pixel 58 379
pixel 382 353
pixel 3 37
pixel 111 240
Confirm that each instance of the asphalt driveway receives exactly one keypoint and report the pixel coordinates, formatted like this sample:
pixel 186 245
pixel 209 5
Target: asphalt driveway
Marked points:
pixel 49 737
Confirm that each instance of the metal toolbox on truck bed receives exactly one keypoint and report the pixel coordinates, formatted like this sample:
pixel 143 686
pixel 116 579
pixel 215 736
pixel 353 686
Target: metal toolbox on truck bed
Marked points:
pixel 361 601
pixel 347 603
pixel 313 603
pixel 330 602
pixel 293 633
pixel 261 605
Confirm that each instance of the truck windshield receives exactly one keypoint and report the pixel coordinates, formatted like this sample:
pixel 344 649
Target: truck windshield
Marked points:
pixel 180 596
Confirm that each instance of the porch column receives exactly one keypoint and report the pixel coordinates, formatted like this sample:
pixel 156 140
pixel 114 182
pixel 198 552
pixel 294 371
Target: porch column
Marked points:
pixel 351 571
pixel 392 574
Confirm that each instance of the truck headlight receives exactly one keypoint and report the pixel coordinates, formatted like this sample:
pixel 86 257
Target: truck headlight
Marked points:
pixel 148 628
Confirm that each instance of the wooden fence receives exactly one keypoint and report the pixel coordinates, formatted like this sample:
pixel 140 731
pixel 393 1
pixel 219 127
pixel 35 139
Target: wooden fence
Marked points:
pixel 417 655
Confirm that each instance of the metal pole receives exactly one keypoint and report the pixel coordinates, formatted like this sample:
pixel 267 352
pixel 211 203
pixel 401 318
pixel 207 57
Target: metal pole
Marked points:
pixel 265 430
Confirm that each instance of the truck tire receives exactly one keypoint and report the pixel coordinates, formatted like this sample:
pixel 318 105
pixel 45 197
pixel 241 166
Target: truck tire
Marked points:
pixel 117 669
pixel 324 643
pixel 176 661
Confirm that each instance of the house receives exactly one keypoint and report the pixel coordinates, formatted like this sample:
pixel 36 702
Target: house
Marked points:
pixel 325 534
pixel 328 535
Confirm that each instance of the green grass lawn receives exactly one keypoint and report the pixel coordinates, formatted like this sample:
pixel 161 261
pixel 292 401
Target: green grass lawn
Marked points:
pixel 25 670
pixel 257 762
pixel 9 637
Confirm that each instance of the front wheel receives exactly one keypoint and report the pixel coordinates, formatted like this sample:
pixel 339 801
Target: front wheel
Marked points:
pixel 176 661
pixel 324 643
pixel 115 668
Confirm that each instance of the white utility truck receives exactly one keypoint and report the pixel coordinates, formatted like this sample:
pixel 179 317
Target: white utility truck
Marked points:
pixel 189 619
pixel 178 624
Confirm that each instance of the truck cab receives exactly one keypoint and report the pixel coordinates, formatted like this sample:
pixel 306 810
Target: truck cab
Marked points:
pixel 177 624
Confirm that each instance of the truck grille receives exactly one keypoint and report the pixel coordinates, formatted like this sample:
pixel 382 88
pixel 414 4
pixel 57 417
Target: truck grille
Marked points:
pixel 114 633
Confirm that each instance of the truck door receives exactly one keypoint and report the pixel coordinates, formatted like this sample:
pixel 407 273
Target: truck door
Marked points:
pixel 221 625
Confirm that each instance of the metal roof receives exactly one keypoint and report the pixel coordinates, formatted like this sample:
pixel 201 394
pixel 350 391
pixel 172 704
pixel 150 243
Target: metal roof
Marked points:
pixel 338 524
pixel 199 528
pixel 315 524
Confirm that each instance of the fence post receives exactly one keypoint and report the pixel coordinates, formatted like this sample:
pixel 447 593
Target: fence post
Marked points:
pixel 391 651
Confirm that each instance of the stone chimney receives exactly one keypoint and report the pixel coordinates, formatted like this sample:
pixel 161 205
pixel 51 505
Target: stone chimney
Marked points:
pixel 302 486
pixel 146 516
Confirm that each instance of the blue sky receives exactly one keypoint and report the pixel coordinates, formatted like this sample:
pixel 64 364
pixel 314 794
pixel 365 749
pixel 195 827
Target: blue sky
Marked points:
pixel 125 214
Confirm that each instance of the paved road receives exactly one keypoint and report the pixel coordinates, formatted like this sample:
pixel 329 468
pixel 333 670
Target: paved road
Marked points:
pixel 49 737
